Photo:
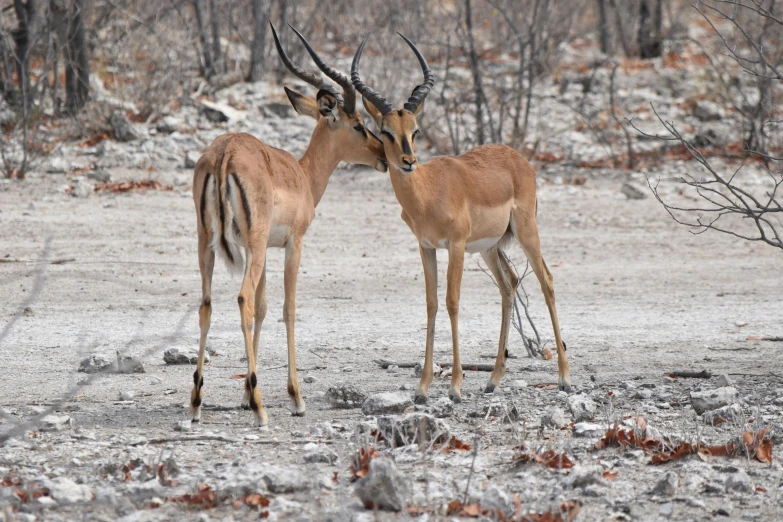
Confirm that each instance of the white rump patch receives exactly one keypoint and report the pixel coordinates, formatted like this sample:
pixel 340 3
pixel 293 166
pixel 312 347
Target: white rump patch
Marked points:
pixel 235 243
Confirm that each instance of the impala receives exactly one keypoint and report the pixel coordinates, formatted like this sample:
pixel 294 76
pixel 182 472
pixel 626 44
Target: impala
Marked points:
pixel 475 202
pixel 250 196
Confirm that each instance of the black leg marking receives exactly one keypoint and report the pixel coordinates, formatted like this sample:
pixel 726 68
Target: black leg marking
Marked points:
pixel 564 346
pixel 207 302
pixel 506 353
pixel 195 377
pixel 198 381
pixel 203 203
pixel 240 300
pixel 291 391
pixel 243 196
pixel 251 386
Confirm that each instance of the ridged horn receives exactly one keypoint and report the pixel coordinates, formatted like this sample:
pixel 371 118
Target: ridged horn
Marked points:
pixel 370 95
pixel 349 93
pixel 311 78
pixel 421 91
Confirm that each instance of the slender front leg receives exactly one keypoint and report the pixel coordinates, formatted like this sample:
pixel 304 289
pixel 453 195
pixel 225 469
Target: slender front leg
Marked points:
pixel 256 260
pixel 454 281
pixel 206 263
pixel 293 254
pixel 429 260
pixel 507 284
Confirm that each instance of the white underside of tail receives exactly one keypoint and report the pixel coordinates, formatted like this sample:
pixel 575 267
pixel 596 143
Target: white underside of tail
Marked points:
pixel 235 242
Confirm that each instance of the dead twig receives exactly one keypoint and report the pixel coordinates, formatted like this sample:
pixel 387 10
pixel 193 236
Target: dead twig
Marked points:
pixel 704 374
pixel 221 438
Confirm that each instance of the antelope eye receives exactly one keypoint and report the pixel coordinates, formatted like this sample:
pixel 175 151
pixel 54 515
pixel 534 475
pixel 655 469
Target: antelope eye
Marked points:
pixel 415 135
pixel 359 128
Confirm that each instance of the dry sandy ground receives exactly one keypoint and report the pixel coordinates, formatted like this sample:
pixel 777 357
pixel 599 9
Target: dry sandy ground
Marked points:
pixel 637 297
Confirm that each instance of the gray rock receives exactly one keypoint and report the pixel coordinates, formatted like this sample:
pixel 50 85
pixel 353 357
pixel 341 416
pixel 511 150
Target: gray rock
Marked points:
pixel 127 395
pixel 713 399
pixel 583 476
pixel 309 379
pixel 128 364
pixel 436 369
pixel 588 429
pixel 582 407
pixel 441 408
pixel 155 380
pixel 386 403
pixel 182 356
pixel 724 380
pixel 319 453
pixel 553 417
pixel 56 423
pixel 732 414
pixel 344 397
pixel 643 393
pixel 82 189
pixel 666 486
pixel 414 428
pixel 168 124
pixel 281 110
pixel 218 112
pixel 280 479
pixel 518 384
pixel 495 498
pixel 57 165
pixel 191 158
pixel 384 487
pixel 123 131
pixel 631 191
pixel 501 410
pixel 95 363
pixel 322 430
pixel 99 175
pixel 66 491
pixel 184 425
pixel 666 509
pixel 707 110
pixel 739 481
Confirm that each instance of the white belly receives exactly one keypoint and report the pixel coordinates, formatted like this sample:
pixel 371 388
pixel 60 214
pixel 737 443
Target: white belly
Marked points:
pixel 481 244
pixel 278 236
pixel 426 243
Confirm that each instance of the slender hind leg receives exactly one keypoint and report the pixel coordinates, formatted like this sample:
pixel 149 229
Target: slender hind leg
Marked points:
pixel 429 260
pixel 256 260
pixel 527 235
pixel 507 283
pixel 454 281
pixel 206 262
pixel 293 254
pixel 260 314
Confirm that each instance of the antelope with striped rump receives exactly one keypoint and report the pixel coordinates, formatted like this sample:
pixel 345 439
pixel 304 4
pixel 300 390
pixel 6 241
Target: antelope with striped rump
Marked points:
pixel 250 196
pixel 475 202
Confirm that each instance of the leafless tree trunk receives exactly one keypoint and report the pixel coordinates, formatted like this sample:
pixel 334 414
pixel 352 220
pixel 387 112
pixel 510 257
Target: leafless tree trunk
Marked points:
pixel 260 20
pixel 77 60
pixel 603 26
pixel 217 55
pixel 27 14
pixel 620 31
pixel 478 94
pixel 649 45
pixel 208 66
pixel 8 78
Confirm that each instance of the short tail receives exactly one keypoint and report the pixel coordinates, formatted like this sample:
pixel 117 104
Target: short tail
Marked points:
pixel 219 200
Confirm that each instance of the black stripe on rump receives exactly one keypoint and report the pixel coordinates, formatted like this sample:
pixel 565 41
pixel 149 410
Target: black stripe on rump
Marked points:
pixel 203 203
pixel 245 202
pixel 223 240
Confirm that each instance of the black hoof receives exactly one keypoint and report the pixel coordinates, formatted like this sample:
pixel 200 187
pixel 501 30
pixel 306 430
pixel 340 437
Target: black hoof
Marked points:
pixel 420 399
pixel 195 421
pixel 298 414
pixel 245 406
pixel 456 399
pixel 565 388
pixel 490 388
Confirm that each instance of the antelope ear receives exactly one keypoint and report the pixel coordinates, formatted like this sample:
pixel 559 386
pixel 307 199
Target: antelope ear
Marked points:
pixel 302 104
pixel 373 111
pixel 327 105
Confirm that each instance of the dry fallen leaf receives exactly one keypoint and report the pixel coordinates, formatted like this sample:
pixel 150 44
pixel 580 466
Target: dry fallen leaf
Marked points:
pixel 360 466
pixel 256 499
pixel 610 475
pixel 239 376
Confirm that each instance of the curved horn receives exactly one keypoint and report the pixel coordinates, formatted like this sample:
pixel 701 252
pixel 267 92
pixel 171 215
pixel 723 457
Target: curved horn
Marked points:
pixel 300 73
pixel 349 93
pixel 421 91
pixel 373 97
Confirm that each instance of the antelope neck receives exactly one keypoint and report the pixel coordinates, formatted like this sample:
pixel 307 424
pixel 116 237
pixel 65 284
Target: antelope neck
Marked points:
pixel 319 161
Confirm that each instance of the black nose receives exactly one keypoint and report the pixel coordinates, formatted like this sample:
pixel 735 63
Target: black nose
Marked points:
pixel 408 163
